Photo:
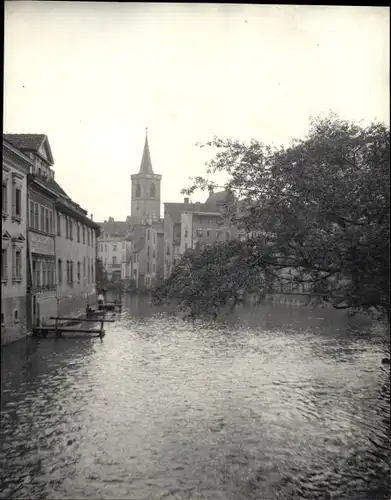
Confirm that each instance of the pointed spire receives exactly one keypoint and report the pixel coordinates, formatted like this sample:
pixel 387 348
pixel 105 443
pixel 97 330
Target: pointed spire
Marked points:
pixel 146 163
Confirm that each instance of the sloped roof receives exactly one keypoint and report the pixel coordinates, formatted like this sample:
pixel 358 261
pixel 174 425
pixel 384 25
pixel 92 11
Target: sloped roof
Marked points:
pixel 139 244
pixel 221 197
pixel 116 228
pixel 146 163
pixel 175 209
pixel 30 142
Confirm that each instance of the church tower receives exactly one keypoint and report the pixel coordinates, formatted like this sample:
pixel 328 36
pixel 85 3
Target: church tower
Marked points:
pixel 146 189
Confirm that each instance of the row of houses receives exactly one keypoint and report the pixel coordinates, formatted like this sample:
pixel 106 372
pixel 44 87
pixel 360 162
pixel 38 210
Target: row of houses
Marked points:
pixel 144 248
pixel 49 252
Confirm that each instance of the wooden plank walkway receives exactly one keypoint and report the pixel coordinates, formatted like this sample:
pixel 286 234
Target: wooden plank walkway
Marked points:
pixel 58 329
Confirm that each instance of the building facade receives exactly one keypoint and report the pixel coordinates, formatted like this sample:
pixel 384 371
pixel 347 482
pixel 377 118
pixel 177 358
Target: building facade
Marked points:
pixel 76 255
pixel 113 247
pixel 192 225
pixel 14 317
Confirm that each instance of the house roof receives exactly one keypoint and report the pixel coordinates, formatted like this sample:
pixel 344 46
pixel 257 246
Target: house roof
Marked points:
pixel 30 142
pixel 221 197
pixel 116 228
pixel 146 163
pixel 139 244
pixel 176 209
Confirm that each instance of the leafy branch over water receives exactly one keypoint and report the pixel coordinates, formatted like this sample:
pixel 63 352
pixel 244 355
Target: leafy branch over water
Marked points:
pixel 317 213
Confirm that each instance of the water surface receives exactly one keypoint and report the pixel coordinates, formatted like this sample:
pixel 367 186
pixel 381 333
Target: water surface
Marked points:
pixel 271 403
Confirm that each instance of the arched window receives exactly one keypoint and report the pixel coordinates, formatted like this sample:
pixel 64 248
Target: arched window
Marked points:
pixel 153 190
pixel 138 190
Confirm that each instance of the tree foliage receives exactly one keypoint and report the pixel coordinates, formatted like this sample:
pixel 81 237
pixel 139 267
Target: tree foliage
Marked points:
pixel 321 207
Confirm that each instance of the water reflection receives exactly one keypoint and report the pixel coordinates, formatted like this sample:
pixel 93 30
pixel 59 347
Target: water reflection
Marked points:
pixel 272 403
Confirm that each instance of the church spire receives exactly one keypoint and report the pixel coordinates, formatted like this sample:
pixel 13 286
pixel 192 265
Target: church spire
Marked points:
pixel 146 163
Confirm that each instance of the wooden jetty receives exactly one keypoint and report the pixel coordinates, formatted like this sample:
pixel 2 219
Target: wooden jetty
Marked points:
pixel 59 328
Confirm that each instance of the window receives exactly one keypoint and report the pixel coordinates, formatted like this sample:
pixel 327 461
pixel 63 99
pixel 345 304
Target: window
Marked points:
pixel 208 232
pixel 71 233
pixel 18 202
pixel 153 190
pixel 92 271
pixel 154 267
pixel 17 270
pixel 16 316
pixel 84 270
pixel 105 247
pixel 4 264
pixel 84 235
pixel 51 222
pixel 58 224
pixel 44 280
pixel 42 219
pixel 78 272
pixel 31 214
pixel 52 273
pixel 138 190
pixel 92 238
pixel 59 271
pixel 36 216
pixel 88 237
pixel 114 261
pixel 227 235
pixel 148 269
pixel 114 247
pixel 4 201
pixel 78 232
pixel 2 318
pixel 46 220
pixel 69 272
pixel 186 233
pixel 89 270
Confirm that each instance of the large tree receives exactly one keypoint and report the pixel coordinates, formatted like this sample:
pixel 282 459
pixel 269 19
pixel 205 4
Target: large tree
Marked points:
pixel 318 213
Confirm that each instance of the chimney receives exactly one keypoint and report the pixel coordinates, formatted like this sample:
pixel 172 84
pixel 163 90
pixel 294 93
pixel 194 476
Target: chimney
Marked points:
pixel 92 217
pixel 186 200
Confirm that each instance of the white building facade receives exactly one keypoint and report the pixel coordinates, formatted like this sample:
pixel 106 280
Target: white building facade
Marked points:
pixel 14 316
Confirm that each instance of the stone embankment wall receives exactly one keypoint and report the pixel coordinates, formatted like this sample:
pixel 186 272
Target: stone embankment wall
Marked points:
pixel 13 319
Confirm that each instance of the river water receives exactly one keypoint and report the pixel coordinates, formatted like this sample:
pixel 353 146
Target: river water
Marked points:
pixel 270 403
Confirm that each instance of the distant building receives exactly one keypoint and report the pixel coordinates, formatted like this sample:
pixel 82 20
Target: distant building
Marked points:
pixel 154 243
pixel 191 225
pixel 114 246
pixel 76 254
pixel 204 228
pixel 14 315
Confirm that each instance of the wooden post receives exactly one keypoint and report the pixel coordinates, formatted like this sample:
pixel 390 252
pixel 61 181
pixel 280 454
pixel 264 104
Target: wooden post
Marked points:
pixel 58 334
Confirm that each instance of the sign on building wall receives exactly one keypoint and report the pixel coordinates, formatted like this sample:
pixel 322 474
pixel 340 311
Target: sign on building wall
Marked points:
pixel 41 244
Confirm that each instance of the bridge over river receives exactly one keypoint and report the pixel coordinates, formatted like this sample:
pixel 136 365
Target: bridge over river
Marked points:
pixel 274 402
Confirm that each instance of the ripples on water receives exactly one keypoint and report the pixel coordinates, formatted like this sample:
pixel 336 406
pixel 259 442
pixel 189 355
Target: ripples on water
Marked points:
pixel 274 403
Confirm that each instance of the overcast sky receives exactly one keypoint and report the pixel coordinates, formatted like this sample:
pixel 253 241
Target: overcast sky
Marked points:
pixel 93 76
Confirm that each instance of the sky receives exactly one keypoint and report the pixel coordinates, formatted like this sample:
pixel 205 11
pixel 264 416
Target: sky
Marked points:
pixel 93 76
